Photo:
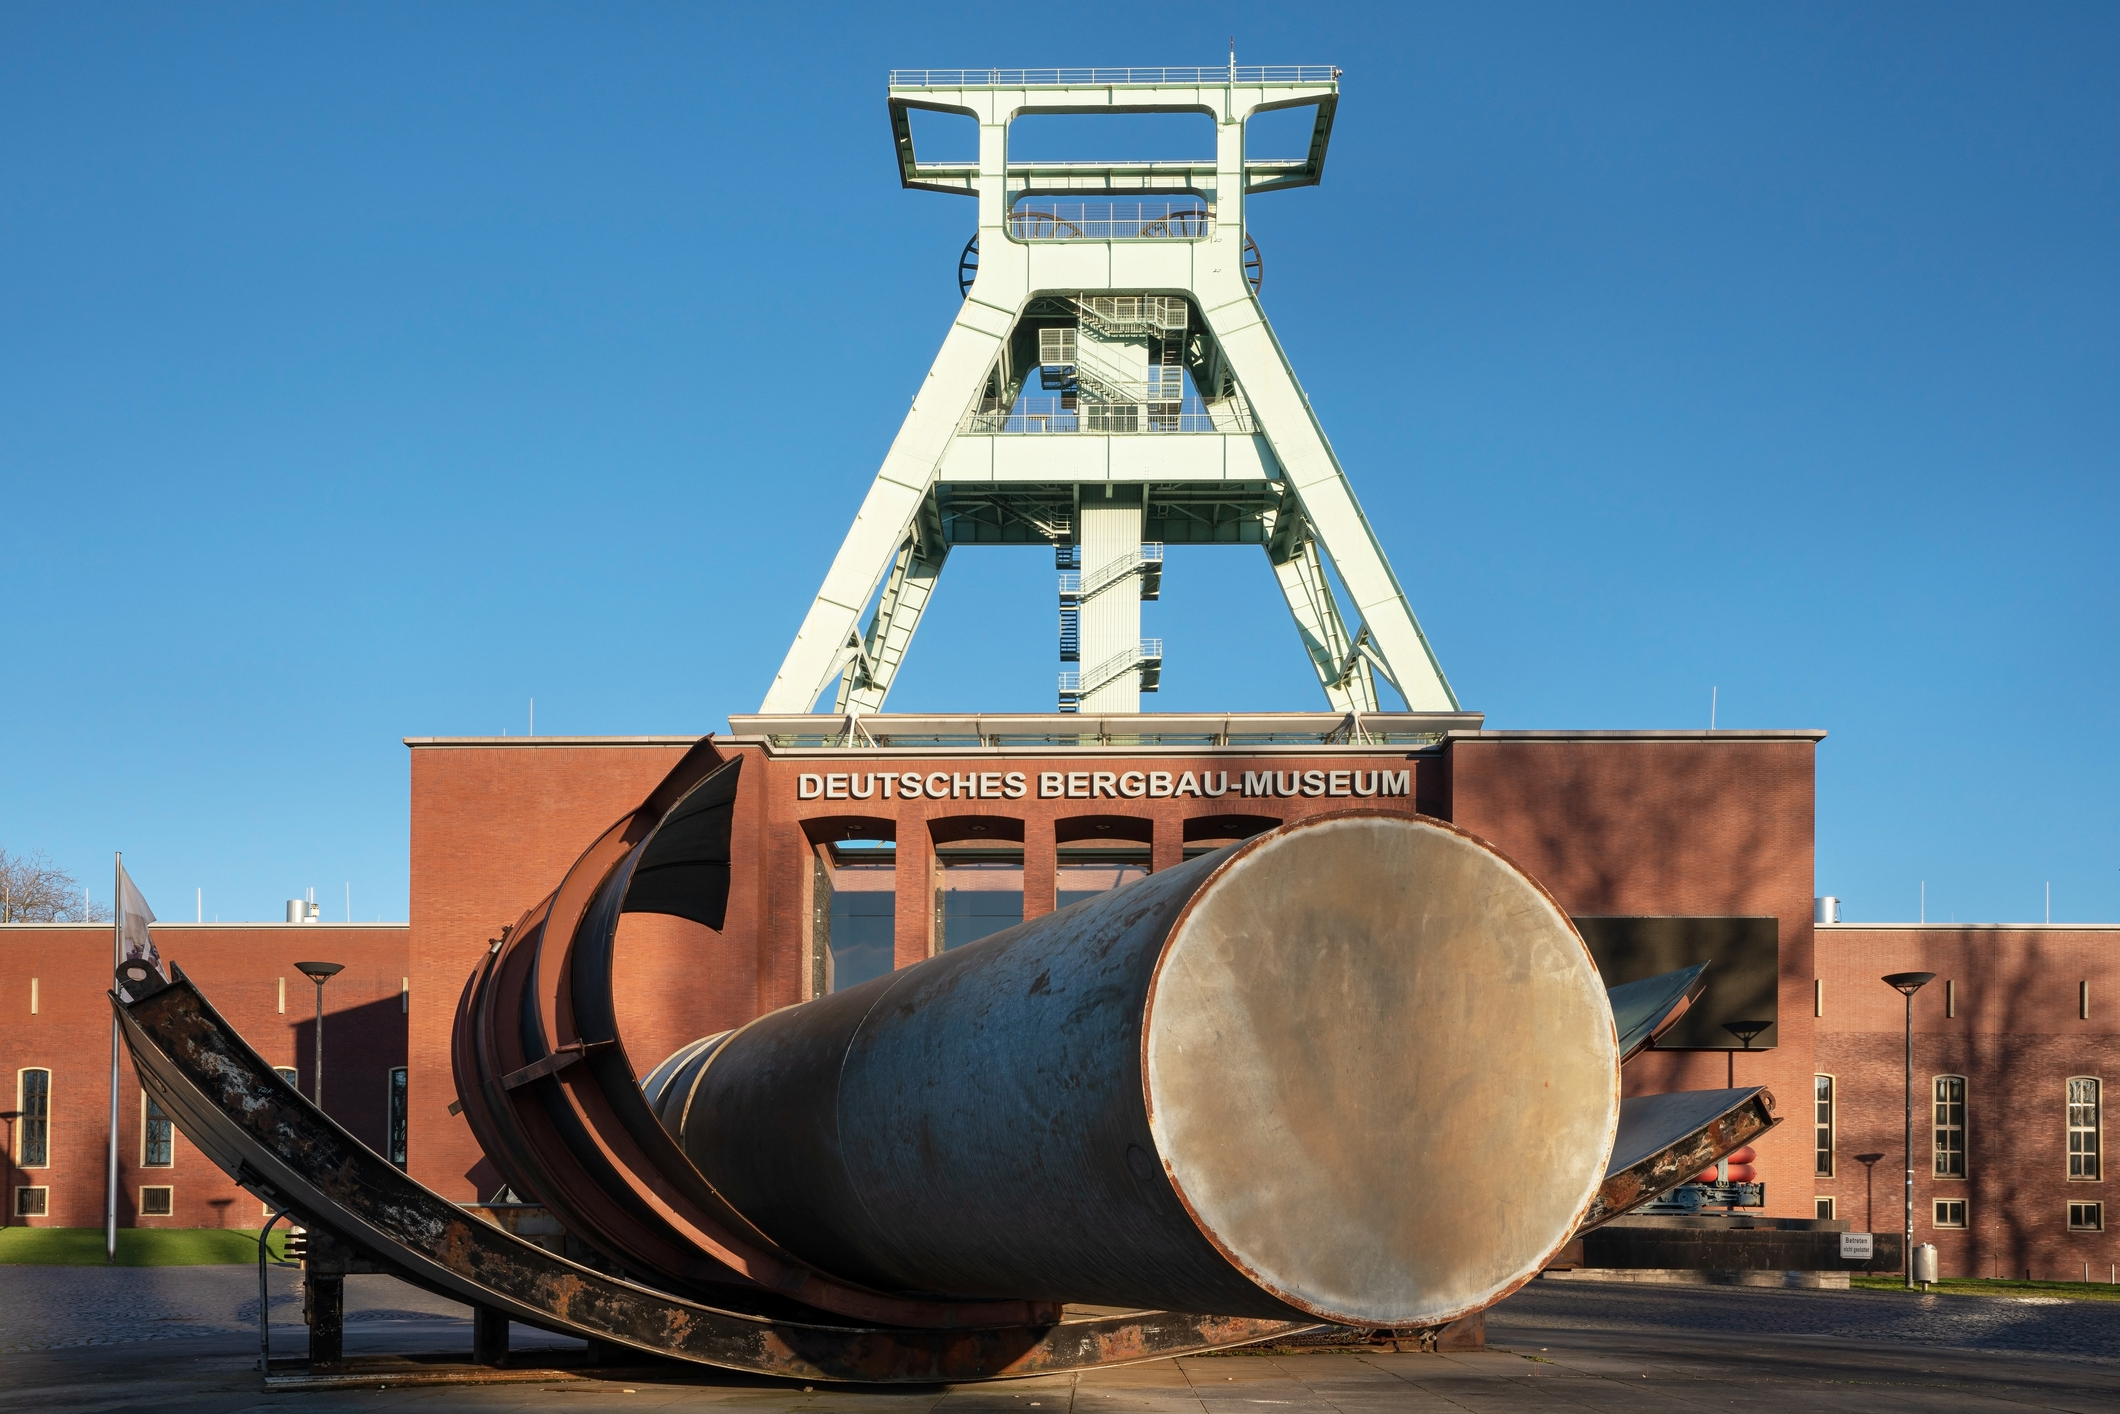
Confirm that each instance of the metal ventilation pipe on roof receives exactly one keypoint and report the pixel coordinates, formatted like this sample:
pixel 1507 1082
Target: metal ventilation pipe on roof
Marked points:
pixel 1825 909
pixel 1277 1081
pixel 301 911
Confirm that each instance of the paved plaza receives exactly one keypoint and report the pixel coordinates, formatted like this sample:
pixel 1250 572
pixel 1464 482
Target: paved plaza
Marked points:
pixel 184 1338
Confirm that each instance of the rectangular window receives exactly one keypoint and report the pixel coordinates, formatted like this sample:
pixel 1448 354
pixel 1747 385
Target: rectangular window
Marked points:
pixel 857 911
pixel 1085 873
pixel 2086 1217
pixel 157 1201
pixel 978 892
pixel 30 1202
pixel 1950 1126
pixel 397 1115
pixel 1825 1209
pixel 1822 1121
pixel 158 1137
pixel 33 1097
pixel 2083 1129
pixel 1950 1212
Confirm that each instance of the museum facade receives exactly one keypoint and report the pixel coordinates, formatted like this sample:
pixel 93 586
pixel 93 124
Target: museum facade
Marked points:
pixel 866 844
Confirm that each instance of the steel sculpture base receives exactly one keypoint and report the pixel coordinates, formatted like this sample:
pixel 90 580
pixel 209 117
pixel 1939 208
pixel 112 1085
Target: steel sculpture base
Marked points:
pixel 256 1127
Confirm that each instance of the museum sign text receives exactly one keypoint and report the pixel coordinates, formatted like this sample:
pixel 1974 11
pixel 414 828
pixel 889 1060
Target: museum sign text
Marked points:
pixel 1091 785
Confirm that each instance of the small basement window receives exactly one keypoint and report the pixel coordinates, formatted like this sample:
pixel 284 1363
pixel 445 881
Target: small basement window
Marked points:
pixel 1950 1212
pixel 31 1202
pixel 2086 1217
pixel 1825 1210
pixel 157 1201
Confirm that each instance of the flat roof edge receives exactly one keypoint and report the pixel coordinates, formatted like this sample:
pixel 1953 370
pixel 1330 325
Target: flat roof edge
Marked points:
pixel 1845 927
pixel 187 925
pixel 512 741
pixel 1654 734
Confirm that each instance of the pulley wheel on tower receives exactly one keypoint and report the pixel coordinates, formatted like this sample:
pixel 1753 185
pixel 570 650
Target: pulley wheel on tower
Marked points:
pixel 1179 224
pixel 1030 224
pixel 1254 264
pixel 968 266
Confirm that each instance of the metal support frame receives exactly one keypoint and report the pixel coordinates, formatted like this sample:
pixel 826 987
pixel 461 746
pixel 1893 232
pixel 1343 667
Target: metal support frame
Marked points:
pixel 1264 445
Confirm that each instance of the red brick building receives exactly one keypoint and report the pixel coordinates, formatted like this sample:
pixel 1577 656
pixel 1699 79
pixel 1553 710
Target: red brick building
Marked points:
pixel 55 1036
pixel 2019 1016
pixel 928 832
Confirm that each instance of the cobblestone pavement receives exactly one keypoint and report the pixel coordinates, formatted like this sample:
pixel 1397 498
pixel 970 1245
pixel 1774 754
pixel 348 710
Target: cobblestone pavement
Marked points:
pixel 2050 1324
pixel 1569 1347
pixel 54 1308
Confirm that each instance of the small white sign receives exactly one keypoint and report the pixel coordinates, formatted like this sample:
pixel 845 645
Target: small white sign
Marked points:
pixel 1858 1245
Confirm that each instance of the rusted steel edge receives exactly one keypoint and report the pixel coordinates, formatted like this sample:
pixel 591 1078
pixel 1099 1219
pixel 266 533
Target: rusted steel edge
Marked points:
pixel 1669 1167
pixel 1148 1099
pixel 584 1139
pixel 229 1103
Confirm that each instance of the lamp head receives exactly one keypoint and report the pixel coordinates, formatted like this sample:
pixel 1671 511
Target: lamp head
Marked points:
pixel 1746 1030
pixel 1867 1158
pixel 1909 982
pixel 320 972
pixel 10 1114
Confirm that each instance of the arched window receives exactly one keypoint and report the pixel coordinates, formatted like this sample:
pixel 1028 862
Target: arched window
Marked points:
pixel 1094 854
pixel 33 1097
pixel 853 900
pixel 2084 1129
pixel 1950 1126
pixel 978 877
pixel 158 1137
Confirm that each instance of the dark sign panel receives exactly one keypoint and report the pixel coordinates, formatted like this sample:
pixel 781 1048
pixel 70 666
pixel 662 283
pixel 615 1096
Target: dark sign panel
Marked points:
pixel 1744 971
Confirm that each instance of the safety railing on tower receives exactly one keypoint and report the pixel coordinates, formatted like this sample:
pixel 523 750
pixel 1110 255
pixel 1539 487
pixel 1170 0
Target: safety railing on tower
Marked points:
pixel 1055 415
pixel 1111 221
pixel 1075 78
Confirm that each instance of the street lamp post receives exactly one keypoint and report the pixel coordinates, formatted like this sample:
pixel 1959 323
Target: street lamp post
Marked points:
pixel 1869 1194
pixel 1907 984
pixel 7 1214
pixel 1743 1031
pixel 320 973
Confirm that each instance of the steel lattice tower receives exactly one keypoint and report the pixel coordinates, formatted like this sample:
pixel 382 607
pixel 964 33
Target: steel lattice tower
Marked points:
pixel 1110 385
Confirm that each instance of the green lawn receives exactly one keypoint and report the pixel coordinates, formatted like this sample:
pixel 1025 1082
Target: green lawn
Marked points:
pixel 137 1246
pixel 1981 1286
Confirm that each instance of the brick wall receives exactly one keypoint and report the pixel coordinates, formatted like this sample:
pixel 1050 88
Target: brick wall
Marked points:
pixel 494 828
pixel 2017 1037
pixel 1667 823
pixel 240 968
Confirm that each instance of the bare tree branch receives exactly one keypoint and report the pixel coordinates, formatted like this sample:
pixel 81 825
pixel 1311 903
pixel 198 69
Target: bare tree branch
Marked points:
pixel 34 890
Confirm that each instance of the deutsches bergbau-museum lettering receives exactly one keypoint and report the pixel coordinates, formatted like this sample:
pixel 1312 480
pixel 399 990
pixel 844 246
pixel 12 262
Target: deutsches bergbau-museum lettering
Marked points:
pixel 1091 785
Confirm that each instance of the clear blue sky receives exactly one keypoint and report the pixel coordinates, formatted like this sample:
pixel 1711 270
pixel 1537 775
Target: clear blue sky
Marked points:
pixel 366 371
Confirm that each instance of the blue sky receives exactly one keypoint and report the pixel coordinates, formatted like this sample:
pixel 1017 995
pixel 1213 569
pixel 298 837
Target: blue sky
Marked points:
pixel 368 371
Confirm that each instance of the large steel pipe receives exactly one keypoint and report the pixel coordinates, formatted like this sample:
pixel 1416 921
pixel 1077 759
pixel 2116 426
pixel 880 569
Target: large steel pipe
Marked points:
pixel 1360 1068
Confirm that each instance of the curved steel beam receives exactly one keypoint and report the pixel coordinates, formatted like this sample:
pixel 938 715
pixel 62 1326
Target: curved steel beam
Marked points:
pixel 545 1080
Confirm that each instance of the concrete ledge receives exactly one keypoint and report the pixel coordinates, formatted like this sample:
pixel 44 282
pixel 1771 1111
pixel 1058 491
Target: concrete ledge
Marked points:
pixel 1667 1276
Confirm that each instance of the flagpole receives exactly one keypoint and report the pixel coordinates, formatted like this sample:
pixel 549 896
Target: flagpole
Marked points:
pixel 117 950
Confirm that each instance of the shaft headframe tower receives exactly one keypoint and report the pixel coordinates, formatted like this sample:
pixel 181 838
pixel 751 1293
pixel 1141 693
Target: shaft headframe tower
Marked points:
pixel 1111 385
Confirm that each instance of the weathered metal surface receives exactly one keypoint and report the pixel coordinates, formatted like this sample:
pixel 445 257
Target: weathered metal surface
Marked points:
pixel 1645 1010
pixel 1664 1140
pixel 1276 1081
pixel 228 1102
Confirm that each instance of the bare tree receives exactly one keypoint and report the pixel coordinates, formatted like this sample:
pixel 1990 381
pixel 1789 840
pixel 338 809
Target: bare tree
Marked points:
pixel 34 890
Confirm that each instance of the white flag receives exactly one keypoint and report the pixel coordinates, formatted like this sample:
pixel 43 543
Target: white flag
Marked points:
pixel 133 917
